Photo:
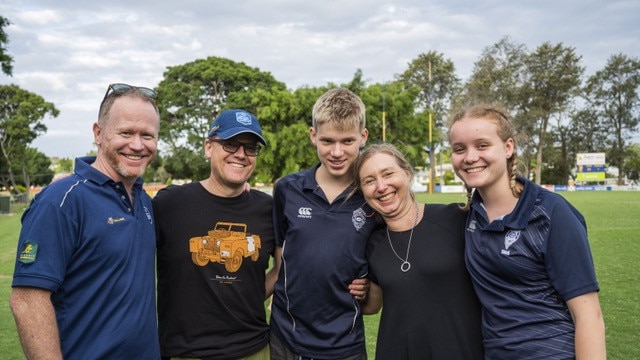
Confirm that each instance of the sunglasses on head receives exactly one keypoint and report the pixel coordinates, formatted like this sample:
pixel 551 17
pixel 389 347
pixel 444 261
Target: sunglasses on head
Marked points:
pixel 120 88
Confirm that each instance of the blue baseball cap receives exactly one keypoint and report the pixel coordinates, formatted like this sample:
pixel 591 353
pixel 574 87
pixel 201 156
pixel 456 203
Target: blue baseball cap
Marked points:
pixel 233 122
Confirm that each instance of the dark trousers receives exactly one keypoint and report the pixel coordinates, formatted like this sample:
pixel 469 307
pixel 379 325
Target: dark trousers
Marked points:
pixel 280 351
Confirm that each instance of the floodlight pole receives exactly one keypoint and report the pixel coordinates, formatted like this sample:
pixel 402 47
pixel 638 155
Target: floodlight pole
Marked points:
pixel 431 154
pixel 384 123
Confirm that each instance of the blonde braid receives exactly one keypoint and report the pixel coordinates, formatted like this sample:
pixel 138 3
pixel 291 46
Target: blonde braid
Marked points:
pixel 469 194
pixel 514 173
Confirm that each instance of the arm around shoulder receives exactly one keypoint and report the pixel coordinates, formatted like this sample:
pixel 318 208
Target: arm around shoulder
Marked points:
pixel 373 303
pixel 36 322
pixel 272 274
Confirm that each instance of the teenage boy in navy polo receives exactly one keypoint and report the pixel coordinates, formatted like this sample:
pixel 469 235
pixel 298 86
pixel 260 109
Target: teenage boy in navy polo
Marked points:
pixel 321 234
pixel 84 280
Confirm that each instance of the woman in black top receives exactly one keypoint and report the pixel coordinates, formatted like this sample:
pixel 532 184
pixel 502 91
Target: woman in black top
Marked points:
pixel 416 267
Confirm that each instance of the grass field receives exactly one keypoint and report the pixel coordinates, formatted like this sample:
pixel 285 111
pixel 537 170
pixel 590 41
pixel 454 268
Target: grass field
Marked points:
pixel 612 219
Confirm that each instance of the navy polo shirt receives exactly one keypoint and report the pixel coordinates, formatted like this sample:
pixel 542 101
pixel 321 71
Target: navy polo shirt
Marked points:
pixel 323 251
pixel 525 267
pixel 84 240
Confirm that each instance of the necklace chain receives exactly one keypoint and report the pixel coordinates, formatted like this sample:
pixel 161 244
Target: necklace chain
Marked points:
pixel 406 265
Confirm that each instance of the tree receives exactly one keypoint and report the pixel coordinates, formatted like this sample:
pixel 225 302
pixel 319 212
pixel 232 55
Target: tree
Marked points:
pixel 5 59
pixel 558 161
pixel 290 151
pixel 553 77
pixel 613 91
pixel 588 133
pixel 21 121
pixel 66 165
pixel 438 84
pixel 36 169
pixel 436 79
pixel 191 95
pixel 33 169
pixel 554 169
pixel 631 167
pixel 286 118
pixel 155 172
pixel 404 128
pixel 497 76
pixel 184 163
pixel 535 87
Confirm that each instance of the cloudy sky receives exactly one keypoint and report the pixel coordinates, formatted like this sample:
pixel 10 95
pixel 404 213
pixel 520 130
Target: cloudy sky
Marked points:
pixel 69 51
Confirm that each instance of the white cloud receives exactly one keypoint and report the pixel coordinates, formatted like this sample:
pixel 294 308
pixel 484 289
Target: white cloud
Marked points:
pixel 39 17
pixel 69 51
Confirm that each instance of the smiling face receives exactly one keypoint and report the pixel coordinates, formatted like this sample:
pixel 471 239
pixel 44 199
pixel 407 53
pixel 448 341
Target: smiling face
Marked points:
pixel 231 170
pixel 385 185
pixel 337 149
pixel 127 140
pixel 479 155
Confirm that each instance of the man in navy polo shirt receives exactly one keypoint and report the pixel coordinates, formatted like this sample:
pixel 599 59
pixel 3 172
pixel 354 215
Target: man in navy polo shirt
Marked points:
pixel 84 281
pixel 321 234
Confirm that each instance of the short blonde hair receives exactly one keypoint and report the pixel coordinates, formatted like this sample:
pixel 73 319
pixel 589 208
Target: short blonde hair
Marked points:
pixel 341 108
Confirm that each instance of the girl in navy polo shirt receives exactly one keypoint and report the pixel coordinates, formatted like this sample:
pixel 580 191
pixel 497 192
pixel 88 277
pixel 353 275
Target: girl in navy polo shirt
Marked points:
pixel 526 250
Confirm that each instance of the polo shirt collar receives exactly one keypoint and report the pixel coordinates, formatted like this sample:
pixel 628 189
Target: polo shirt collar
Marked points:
pixel 309 183
pixel 519 217
pixel 83 168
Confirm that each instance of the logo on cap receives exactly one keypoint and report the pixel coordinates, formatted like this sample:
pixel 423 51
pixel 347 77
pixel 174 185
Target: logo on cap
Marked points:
pixel 243 118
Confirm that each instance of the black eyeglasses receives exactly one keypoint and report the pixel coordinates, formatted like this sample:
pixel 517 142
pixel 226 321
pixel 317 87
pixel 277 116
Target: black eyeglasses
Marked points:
pixel 231 146
pixel 120 88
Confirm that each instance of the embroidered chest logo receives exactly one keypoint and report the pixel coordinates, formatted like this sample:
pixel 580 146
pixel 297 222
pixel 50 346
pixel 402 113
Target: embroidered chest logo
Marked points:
pixel 358 218
pixel 148 214
pixel 111 220
pixel 509 239
pixel 472 226
pixel 304 213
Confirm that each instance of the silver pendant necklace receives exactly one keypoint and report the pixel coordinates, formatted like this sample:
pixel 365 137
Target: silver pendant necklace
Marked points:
pixel 406 265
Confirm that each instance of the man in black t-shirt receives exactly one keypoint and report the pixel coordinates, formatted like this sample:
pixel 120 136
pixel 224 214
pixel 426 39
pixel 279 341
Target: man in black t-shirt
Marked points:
pixel 214 243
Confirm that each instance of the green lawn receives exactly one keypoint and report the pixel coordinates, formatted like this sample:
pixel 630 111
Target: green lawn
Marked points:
pixel 612 219
pixel 9 230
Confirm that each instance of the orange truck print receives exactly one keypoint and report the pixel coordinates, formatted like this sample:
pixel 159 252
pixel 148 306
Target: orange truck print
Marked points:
pixel 228 243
